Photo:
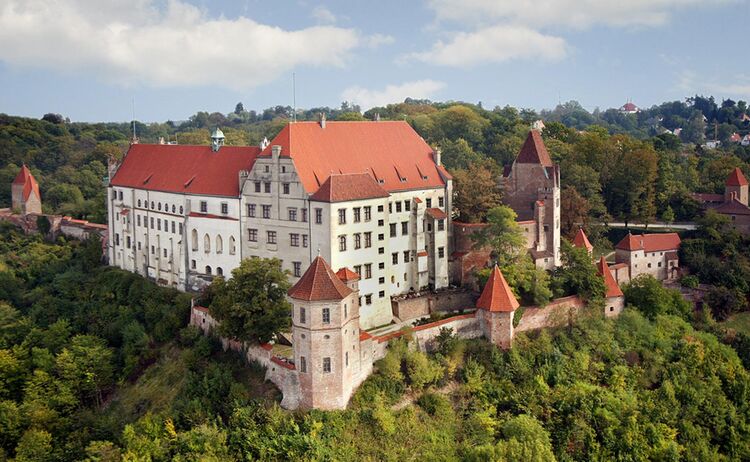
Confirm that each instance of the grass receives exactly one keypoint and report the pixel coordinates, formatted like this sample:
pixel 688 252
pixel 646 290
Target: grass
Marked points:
pixel 739 322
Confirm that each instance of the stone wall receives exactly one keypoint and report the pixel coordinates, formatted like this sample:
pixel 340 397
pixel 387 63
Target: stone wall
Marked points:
pixel 419 306
pixel 557 313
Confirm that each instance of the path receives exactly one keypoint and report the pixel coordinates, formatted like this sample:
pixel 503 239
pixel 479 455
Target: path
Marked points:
pixel 657 224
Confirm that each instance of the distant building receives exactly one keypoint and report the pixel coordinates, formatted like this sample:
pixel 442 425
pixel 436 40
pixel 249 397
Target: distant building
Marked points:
pixel 712 144
pixel 25 197
pixel 654 254
pixel 735 138
pixel 745 140
pixel 629 108
pixel 538 125
pixel 733 203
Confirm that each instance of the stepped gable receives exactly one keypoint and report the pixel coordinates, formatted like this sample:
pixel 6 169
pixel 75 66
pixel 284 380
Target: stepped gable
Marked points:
pixel 736 178
pixel 348 187
pixel 649 242
pixel 580 240
pixel 28 181
pixel 533 151
pixel 319 283
pixel 497 295
pixel 390 151
pixel 613 290
pixel 185 169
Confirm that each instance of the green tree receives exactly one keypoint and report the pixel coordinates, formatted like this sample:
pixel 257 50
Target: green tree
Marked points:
pixel 476 192
pixel 34 446
pixel 43 224
pixel 503 235
pixel 578 275
pixel 648 295
pixel 252 305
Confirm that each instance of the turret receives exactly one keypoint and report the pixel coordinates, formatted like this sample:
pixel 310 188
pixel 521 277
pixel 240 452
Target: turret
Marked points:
pixel 495 309
pixel 217 139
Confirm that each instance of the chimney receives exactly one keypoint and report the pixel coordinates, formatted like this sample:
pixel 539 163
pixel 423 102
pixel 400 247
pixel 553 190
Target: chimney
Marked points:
pixel 437 157
pixel 733 196
pixel 322 118
pixel 275 152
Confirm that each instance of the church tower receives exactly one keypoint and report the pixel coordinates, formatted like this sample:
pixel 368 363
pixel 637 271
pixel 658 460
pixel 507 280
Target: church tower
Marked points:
pixel 25 197
pixel 736 187
pixel 325 332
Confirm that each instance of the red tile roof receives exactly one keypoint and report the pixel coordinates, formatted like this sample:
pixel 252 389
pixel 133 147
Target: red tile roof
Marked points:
pixel 613 290
pixel 736 178
pixel 319 283
pixel 28 181
pixel 348 187
pixel 533 151
pixel 708 197
pixel 497 295
pixel 582 241
pixel 389 150
pixel 346 275
pixel 650 242
pixel 185 169
pixel 629 107
pixel 436 213
pixel 733 207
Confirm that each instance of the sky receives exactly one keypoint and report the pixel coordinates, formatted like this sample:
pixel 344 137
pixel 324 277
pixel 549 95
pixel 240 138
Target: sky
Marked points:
pixel 97 60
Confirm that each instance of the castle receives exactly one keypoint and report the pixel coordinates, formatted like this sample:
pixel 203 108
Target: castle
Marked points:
pixel 733 203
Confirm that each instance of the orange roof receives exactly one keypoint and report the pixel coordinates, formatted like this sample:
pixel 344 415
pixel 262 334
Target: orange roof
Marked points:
pixel 28 181
pixel 736 178
pixel 582 241
pixel 613 290
pixel 391 151
pixel 497 295
pixel 650 242
pixel 533 151
pixel 436 213
pixel 346 275
pixel 185 169
pixel 348 187
pixel 319 283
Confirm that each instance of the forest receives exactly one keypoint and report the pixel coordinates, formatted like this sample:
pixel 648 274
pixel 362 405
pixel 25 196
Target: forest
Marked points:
pixel 97 364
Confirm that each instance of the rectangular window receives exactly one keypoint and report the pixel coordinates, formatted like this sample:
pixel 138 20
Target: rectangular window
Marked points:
pixel 407 205
pixel 204 207
pixel 285 188
pixel 304 215
pixel 380 208
pixel 441 225
pixel 368 270
pixel 179 225
pixel 257 186
pixel 357 240
pixel 381 280
pixel 139 246
pixel 390 207
pixel 357 214
pixel 381 265
pixel 358 270
pixel 318 216
pixel 406 256
pixel 394 258
pixel 266 211
pixel 304 240
pixel 292 214
pixel 326 365
pixel 381 250
pixel 346 359
pixel 441 252
pixel 158 224
pixel 224 208
pixel 297 267
pixel 381 294
pixel 251 210
pixel 152 222
pixel 271 237
pixel 368 240
pixel 173 227
pixel 267 187
pixel 127 241
pixel 381 237
pixel 302 364
pixel 381 222
pixel 368 299
pixel 165 253
pixel 368 213
pixel 398 206
pixel 326 315
pixel 342 243
pixel 138 219
pixel 117 239
pixel 302 315
pixel 294 239
pixel 153 250
pixel 342 216
pixel 252 235
pixel 404 228
pixel 429 202
pixel 441 201
pixel 393 229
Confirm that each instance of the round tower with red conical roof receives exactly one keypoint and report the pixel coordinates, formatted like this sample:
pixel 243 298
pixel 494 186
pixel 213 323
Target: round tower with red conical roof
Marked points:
pixel 495 310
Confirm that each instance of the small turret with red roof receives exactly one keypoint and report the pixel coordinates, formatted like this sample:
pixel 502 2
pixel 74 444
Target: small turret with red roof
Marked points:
pixel 25 193
pixel 495 309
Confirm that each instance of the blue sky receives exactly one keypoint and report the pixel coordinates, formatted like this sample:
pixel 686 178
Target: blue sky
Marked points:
pixel 88 59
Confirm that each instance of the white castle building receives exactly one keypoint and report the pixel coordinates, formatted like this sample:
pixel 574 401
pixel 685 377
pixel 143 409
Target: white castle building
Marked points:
pixel 370 196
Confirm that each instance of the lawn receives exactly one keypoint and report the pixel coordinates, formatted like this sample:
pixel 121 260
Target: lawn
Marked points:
pixel 739 322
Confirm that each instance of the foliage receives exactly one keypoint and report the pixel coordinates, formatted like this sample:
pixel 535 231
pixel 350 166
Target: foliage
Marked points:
pixel 577 275
pixel 648 295
pixel 477 192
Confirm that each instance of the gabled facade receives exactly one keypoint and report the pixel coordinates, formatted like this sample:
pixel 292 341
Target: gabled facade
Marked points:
pixel 25 197
pixel 654 254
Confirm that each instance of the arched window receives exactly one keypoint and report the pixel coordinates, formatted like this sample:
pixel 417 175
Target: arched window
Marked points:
pixel 208 269
pixel 232 246
pixel 139 202
pixel 219 244
pixel 152 205
pixel 219 271
pixel 173 208
pixel 181 210
pixel 159 205
pixel 206 243
pixel 194 239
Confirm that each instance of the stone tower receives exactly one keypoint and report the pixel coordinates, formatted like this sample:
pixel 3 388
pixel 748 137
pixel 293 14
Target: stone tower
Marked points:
pixel 614 299
pixel 736 187
pixel 496 308
pixel 25 193
pixel 325 332
pixel 532 190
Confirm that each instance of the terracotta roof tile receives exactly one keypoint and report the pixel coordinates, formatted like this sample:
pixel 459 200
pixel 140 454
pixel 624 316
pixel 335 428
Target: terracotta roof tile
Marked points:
pixel 533 151
pixel 613 290
pixel 733 207
pixel 580 240
pixel 346 275
pixel 736 178
pixel 650 242
pixel 497 295
pixel 28 181
pixel 319 283
pixel 185 169
pixel 436 213
pixel 348 187
pixel 389 150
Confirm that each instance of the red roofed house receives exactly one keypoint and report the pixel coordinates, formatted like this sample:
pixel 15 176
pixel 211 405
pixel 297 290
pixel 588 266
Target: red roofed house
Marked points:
pixel 25 193
pixel 532 190
pixel 495 309
pixel 582 241
pixel 614 299
pixel 654 254
pixel 734 202
pixel 370 196
pixel 329 360
pixel 629 108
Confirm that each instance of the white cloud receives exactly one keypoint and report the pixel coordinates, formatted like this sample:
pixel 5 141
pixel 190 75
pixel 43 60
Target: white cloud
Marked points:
pixel 493 45
pixel 689 82
pixel 323 15
pixel 568 13
pixel 136 41
pixel 367 99
pixel 376 40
